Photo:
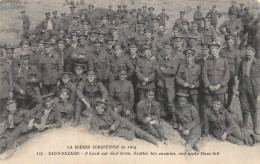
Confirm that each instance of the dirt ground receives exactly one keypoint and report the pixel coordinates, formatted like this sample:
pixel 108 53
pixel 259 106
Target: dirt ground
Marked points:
pixel 57 140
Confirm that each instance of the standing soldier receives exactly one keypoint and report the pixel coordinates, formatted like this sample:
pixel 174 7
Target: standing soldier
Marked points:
pixel 232 55
pixel 71 14
pixel 209 34
pixel 179 21
pixel 178 49
pixel 188 77
pixel 87 92
pixel 197 17
pixel 167 70
pixel 149 17
pixel 213 15
pixel 47 26
pixel 50 68
pixel 232 26
pixel 215 76
pixel 122 93
pixel 145 71
pixel 233 9
pixel 249 77
pixel 26 23
pixel 148 113
pixel 55 18
pixel 62 23
pixel 163 17
pixel 189 122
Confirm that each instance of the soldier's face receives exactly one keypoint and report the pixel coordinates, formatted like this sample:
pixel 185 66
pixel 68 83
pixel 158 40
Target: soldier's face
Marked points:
pixel 148 35
pixel 91 78
pixel 97 48
pixel 139 18
pixel 168 51
pixel 150 96
pixel 101 38
pixel 141 31
pixel 48 49
pixel 151 11
pixel 34 48
pixel 100 108
pixel 175 32
pixel 250 54
pixel 118 52
pixel 65 79
pixel 61 47
pixel 25 47
pixel 147 53
pixel 230 43
pixel 82 17
pixel 214 52
pixel 74 39
pixel 10 55
pixel 178 44
pixel 104 21
pixel 217 105
pixel 161 28
pixel 110 46
pixel 12 108
pixel 82 41
pixel 133 50
pixel 189 59
pixel 206 24
pixel 64 96
pixel 205 51
pixel 85 27
pixel 26 61
pixel 79 71
pixel 122 77
pixel 185 27
pixel 182 103
pixel 48 104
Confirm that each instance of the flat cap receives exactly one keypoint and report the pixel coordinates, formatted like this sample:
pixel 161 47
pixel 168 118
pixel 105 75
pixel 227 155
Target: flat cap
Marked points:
pixel 48 97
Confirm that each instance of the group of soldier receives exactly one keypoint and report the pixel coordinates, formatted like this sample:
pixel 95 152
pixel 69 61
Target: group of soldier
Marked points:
pixel 124 74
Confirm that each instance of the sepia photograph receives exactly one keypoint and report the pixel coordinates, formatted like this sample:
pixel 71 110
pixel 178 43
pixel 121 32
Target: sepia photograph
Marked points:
pixel 129 81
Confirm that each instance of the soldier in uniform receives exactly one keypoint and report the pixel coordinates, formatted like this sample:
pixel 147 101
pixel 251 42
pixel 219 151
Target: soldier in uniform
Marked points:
pixel 188 77
pixel 163 17
pixel 51 69
pixel 178 22
pixel 209 34
pixel 145 71
pixel 188 122
pixel 33 89
pixel 71 14
pixel 87 92
pixel 55 18
pixel 213 15
pixel 197 17
pixel 178 42
pixel 233 9
pixel 62 23
pixel 232 55
pixel 47 26
pixel 114 125
pixel 215 76
pixel 148 114
pixel 249 76
pixel 43 116
pixel 66 82
pixel 122 94
pixel 26 23
pixel 79 75
pixel 226 129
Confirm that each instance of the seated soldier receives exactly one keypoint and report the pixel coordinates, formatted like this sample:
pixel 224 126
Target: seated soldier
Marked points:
pixel 148 114
pixel 33 91
pixel 122 93
pixel 67 82
pixel 87 93
pixel 188 122
pixel 114 125
pixel 223 127
pixel 64 105
pixel 12 115
pixel 43 116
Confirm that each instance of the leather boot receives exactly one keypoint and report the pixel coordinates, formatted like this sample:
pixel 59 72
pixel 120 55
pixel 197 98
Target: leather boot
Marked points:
pixel 255 123
pixel 245 122
pixel 174 121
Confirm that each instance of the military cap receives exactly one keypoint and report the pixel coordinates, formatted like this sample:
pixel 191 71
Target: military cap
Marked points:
pixel 92 32
pixel 128 12
pixel 79 66
pixel 148 30
pixel 144 7
pixel 121 70
pixel 97 21
pixel 146 47
pixel 228 37
pixel 10 101
pixel 91 72
pixel 54 12
pixel 117 46
pixel 61 42
pixel 64 89
pixel 185 23
pixel 104 17
pixel 234 2
pixel 124 5
pixel 182 12
pixel 189 51
pixel 76 16
pixel 176 28
pixel 167 44
pixel 198 7
pixel 192 38
pixel 113 28
pixel 83 10
pixel 242 4
pixel 214 6
pixel 150 8
pixel 31 75
pixel 72 7
pixel 66 74
pixel 9 50
pixel 91 5
pixel 246 8
pixel 133 10
pixel 132 43
pixel 97 44
pixel 163 9
pixel 25 57
pixel 85 23
pixel 178 38
pixel 48 44
pixel 23 11
pixel 82 14
pixel 150 91
pixel 109 39
pixel 61 31
pixel 155 19
pixel 74 33
pixel 101 102
pixel 250 139
pixel 34 43
pixel 41 41
pixel 205 46
pixel 206 19
pixel 182 96
pixel 63 14
pixel 119 6
pixel 250 47
pixel 211 46
pixel 48 97
pixel 24 42
pixel 47 13
pixel 67 36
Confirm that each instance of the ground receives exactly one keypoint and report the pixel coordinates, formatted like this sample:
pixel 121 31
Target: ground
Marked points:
pixel 10 32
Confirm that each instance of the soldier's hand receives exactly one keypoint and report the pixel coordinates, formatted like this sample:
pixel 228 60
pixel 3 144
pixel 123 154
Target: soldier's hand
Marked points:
pixel 192 86
pixel 217 87
pixel 112 128
pixel 22 92
pixel 146 80
pixel 144 83
pixel 30 124
pixel 212 88
pixel 186 132
pixel 58 84
pixel 127 112
pixel 11 95
pixel 116 110
pixel 186 84
pixel 162 68
pixel 180 128
pixel 106 132
pixel 148 119
pixel 87 104
pixel 40 85
pixel 224 136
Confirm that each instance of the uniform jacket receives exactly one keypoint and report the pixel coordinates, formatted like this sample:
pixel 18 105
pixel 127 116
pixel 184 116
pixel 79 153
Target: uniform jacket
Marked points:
pixel 145 108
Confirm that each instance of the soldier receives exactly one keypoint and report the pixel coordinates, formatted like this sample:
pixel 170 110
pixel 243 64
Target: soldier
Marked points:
pixel 64 105
pixel 71 14
pixel 33 90
pixel 185 32
pixel 233 9
pixel 122 93
pixel 149 17
pixel 55 18
pixel 119 60
pixel 179 21
pixel 195 32
pixel 51 69
pixel 233 57
pixel 188 122
pixel 148 114
pixel 117 38
pixel 79 75
pixel 43 116
pixel 241 11
pixel 66 82
pixel 213 15
pixel 197 17
pixel 203 56
pixel 144 12
pixel 209 34
pixel 226 129
pixel 101 63
pixel 26 23
pixel 193 44
pixel 215 76
pixel 178 49
pixel 62 23
pixel 114 125
pixel 163 17
pixel 47 26
pixel 232 26
pixel 74 25
pixel 87 93
pixel 248 88
pixel 167 70
pixel 145 71
pixel 188 77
